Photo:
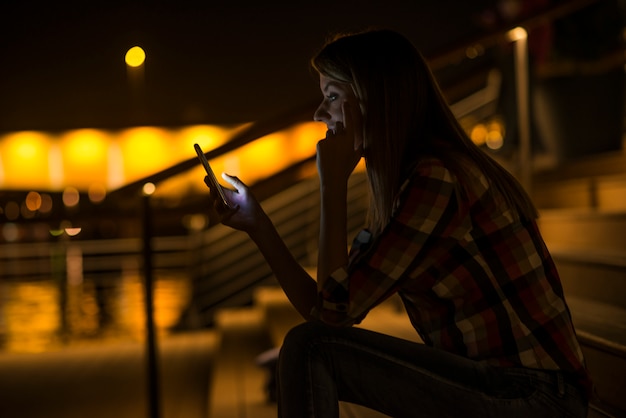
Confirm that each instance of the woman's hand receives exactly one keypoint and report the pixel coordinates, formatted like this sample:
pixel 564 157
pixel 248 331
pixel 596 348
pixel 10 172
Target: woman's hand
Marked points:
pixel 248 216
pixel 245 212
pixel 339 153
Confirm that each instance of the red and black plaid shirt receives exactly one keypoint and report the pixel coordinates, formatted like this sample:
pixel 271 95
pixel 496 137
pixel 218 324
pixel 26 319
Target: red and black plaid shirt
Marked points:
pixel 475 279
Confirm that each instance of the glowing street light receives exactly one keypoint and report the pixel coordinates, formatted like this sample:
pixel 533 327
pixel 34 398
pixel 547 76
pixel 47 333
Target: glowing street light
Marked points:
pixel 135 57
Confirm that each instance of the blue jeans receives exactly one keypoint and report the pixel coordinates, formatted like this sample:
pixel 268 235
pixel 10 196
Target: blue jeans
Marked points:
pixel 320 365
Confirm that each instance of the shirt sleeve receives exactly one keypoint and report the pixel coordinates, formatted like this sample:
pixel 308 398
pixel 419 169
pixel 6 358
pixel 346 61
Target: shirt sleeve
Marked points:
pixel 377 267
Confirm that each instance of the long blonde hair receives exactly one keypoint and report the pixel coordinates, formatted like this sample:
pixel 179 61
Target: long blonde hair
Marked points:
pixel 405 117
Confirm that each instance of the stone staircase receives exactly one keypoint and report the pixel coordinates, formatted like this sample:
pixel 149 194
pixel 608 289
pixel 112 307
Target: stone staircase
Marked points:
pixel 589 249
pixel 583 221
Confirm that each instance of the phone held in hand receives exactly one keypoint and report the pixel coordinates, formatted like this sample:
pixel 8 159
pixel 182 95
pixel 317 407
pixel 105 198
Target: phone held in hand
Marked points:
pixel 212 180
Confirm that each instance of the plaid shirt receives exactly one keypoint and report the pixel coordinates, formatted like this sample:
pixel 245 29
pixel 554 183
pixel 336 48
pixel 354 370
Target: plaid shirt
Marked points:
pixel 475 279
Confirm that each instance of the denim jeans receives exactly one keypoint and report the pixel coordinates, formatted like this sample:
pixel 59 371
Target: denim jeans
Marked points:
pixel 320 366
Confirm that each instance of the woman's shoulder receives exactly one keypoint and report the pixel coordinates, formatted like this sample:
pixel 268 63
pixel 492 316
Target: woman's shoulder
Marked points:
pixel 460 172
pixel 448 169
pixel 429 172
pixel 429 166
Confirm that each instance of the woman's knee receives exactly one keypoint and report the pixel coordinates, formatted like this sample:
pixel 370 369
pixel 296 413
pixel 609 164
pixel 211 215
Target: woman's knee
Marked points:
pixel 302 335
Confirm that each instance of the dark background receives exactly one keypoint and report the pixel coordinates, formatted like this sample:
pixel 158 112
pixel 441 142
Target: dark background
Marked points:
pixel 219 62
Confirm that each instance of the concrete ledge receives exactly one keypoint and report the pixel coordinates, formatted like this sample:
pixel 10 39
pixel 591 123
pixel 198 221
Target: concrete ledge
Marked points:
pixel 601 330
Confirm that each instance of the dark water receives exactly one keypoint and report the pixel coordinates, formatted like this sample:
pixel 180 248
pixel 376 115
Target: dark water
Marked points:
pixel 48 315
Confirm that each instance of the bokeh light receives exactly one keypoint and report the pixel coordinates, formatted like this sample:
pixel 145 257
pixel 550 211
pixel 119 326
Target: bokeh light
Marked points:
pixel 10 232
pixel 25 160
pixel 96 192
pixel 46 203
pixel 135 57
pixel 148 189
pixel 12 211
pixel 84 156
pixel 71 197
pixel 33 201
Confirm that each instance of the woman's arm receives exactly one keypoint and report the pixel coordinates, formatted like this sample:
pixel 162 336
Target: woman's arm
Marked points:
pixel 333 238
pixel 427 221
pixel 300 288
pixel 249 217
pixel 336 159
pixel 337 156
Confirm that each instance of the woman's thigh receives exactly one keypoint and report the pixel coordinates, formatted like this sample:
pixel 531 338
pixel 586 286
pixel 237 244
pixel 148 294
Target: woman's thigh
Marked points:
pixel 320 365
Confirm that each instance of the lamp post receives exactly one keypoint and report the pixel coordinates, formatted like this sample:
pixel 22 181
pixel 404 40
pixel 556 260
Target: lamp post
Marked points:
pixel 152 369
pixel 135 62
pixel 519 37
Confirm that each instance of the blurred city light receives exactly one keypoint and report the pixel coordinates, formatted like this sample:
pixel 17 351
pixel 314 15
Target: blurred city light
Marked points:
pixel 135 57
pixel 25 160
pixel 73 231
pixel 33 201
pixel 71 197
pixel 149 189
pixel 96 192
pixel 10 232
pixel 97 161
pixel 517 34
pixel 12 211
pixel 84 156
pixel 46 203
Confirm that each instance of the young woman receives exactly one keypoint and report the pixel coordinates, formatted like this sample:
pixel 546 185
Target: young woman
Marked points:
pixel 449 230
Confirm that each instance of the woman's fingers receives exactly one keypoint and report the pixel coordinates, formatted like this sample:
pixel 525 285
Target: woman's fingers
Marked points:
pixel 234 181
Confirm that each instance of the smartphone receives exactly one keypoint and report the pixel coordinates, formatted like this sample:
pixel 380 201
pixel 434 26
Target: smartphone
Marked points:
pixel 213 184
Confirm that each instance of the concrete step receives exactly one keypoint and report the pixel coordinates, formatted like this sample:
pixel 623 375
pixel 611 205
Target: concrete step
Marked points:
pixel 593 275
pixel 597 181
pixel 601 193
pixel 601 330
pixel 584 230
pixel 589 249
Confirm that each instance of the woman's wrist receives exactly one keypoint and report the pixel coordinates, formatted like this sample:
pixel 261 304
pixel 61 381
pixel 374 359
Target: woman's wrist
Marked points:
pixel 261 228
pixel 333 189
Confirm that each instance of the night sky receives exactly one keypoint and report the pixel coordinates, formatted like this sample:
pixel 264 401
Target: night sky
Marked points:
pixel 62 63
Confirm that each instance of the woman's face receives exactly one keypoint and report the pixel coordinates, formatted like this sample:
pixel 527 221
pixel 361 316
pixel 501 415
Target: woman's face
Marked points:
pixel 331 110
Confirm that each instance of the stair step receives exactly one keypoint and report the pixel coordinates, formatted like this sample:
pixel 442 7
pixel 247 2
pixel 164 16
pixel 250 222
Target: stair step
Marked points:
pixel 593 275
pixel 601 330
pixel 584 230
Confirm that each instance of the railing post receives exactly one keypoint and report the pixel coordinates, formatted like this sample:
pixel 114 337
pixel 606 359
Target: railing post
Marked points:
pixel 152 369
pixel 519 36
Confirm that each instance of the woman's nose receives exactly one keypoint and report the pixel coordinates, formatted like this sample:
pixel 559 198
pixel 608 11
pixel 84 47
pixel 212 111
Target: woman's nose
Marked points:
pixel 321 115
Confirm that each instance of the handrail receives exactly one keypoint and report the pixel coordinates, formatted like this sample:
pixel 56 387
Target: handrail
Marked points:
pixel 305 112
pixel 550 13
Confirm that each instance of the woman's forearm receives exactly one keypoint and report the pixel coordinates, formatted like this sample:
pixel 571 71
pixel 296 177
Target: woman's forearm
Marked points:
pixel 333 242
pixel 298 285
